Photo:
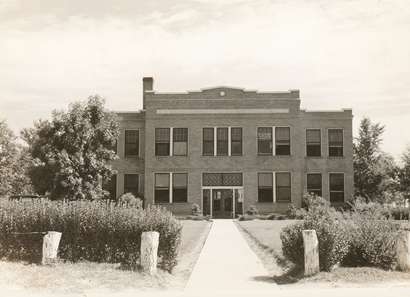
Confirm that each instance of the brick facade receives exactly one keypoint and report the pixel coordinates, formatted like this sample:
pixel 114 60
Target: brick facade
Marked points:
pixel 231 107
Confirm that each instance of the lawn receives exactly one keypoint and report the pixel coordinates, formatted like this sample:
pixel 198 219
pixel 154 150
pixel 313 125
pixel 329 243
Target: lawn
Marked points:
pixel 264 238
pixel 77 278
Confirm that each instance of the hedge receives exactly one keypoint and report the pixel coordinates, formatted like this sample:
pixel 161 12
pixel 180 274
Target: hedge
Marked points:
pixel 91 230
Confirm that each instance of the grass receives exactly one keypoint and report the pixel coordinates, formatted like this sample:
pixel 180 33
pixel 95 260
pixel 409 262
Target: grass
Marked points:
pixel 86 276
pixel 264 238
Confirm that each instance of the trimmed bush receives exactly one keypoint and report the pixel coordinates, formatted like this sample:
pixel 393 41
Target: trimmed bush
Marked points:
pixel 92 230
pixel 333 241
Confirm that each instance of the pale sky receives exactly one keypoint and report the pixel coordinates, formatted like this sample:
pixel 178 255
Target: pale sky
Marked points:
pixel 340 54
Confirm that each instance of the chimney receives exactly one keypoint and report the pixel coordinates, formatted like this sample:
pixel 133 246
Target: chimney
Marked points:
pixel 147 85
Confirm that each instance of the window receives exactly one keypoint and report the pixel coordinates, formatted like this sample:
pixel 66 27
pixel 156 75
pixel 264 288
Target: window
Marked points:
pixel 283 191
pixel 131 184
pixel 222 141
pixel 265 187
pixel 265 141
pixel 313 147
pixel 179 187
pixel 162 144
pixel 314 183
pixel 180 141
pixel 236 141
pixel 131 143
pixel 208 141
pixel 336 187
pixel 162 188
pixel 282 138
pixel 110 186
pixel 221 179
pixel 335 142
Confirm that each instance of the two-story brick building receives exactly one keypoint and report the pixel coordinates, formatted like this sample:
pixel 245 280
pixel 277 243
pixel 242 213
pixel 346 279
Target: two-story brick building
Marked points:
pixel 226 149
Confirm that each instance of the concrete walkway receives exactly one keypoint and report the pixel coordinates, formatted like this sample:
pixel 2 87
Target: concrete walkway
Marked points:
pixel 228 263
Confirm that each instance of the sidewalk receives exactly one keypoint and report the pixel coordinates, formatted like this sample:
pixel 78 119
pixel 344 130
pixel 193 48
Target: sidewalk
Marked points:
pixel 227 263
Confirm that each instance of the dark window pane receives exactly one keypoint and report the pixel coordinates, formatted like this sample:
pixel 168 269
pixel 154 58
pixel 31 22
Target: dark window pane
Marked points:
pixel 162 196
pixel 336 151
pixel 283 194
pixel 222 141
pixel 265 141
pixel 131 184
pixel 236 141
pixel 265 194
pixel 131 143
pixel 283 150
pixel 180 134
pixel 313 150
pixel 162 149
pixel 180 195
pixel 208 142
pixel 313 136
pixel 162 134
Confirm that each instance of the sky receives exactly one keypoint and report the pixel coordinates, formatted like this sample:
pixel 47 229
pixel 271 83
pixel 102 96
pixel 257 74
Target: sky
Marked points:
pixel 339 54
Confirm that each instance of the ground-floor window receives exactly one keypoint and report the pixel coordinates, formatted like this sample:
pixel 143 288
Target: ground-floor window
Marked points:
pixel 314 183
pixel 336 187
pixel 283 187
pixel 171 187
pixel 131 184
pixel 265 187
pixel 110 186
pixel 179 187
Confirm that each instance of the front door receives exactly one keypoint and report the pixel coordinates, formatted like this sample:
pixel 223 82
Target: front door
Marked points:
pixel 222 203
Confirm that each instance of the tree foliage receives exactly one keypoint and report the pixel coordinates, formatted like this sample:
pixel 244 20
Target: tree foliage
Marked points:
pixel 369 170
pixel 72 151
pixel 404 173
pixel 14 161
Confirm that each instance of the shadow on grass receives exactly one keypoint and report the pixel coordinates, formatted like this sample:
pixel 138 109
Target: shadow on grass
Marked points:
pixel 291 276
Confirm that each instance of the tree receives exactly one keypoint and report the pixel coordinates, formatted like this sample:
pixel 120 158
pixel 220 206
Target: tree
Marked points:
pixel 14 162
pixel 404 175
pixel 367 157
pixel 72 152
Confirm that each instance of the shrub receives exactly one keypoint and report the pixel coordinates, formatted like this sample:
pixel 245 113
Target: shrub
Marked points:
pixel 252 210
pixel 400 213
pixel 333 241
pixel 128 199
pixel 92 230
pixel 372 237
pixel 196 210
pixel 295 213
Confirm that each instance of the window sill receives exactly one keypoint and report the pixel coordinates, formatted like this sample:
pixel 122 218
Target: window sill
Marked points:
pixel 314 157
pixel 335 157
pixel 132 157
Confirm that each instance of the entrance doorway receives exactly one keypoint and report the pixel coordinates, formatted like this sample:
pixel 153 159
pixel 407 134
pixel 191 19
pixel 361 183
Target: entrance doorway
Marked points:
pixel 226 202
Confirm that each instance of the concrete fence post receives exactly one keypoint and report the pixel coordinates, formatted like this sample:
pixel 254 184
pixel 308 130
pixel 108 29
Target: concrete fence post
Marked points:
pixel 50 247
pixel 149 251
pixel 403 251
pixel 311 247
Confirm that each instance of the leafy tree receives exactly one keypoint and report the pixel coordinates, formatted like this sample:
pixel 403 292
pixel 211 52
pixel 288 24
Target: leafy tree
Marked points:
pixel 13 164
pixel 366 160
pixel 72 152
pixel 404 174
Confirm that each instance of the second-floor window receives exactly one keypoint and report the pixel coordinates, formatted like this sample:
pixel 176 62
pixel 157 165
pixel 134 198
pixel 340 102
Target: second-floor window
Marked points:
pixel 222 141
pixel 236 141
pixel 180 141
pixel 162 141
pixel 282 138
pixel 335 142
pixel 265 141
pixel 313 143
pixel 131 143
